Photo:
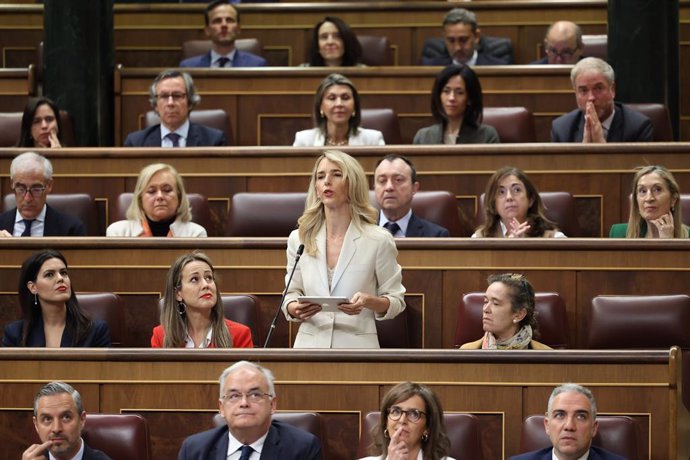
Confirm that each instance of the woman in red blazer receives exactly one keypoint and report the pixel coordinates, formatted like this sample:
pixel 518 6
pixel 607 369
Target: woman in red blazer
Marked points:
pixel 192 315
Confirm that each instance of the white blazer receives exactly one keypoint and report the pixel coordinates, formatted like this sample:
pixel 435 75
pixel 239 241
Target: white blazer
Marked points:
pixel 315 138
pixel 367 263
pixel 134 228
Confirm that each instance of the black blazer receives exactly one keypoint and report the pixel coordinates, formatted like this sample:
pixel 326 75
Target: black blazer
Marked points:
pixel 56 224
pixel 628 125
pixel 98 336
pixel 595 453
pixel 418 227
pixel 283 442
pixel 198 136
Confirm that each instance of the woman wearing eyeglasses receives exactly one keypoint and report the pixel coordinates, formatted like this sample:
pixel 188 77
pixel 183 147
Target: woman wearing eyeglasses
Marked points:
pixel 411 425
pixel 40 124
pixel 655 210
pixel 192 315
pixel 508 316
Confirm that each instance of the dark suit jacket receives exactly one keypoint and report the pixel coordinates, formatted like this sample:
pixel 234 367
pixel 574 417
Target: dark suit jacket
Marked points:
pixel 418 227
pixel 628 125
pixel 482 59
pixel 93 454
pixel 56 223
pixel 198 136
pixel 242 59
pixel 490 51
pixel 98 337
pixel 283 442
pixel 595 453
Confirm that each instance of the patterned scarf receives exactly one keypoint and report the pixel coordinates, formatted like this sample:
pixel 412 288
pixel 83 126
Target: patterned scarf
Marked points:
pixel 519 341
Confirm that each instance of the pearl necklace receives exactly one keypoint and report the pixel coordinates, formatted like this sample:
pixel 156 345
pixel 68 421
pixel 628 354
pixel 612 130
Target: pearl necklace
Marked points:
pixel 330 141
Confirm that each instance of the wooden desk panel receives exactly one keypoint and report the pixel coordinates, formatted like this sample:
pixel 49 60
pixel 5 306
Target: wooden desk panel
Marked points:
pixel 177 390
pixel 16 85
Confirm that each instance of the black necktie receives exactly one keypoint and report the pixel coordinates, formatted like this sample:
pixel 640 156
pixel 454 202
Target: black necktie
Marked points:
pixel 392 227
pixel 174 138
pixel 27 227
pixel 223 61
pixel 246 452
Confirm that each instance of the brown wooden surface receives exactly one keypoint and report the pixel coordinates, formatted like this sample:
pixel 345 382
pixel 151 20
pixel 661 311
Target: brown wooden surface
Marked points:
pixel 599 176
pixel 177 391
pixel 436 273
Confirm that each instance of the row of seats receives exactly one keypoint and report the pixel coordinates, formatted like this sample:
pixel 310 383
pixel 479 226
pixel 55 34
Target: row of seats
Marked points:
pixel 127 435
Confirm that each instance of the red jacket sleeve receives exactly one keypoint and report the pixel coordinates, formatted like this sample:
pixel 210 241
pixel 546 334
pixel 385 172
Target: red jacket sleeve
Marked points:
pixel 241 334
pixel 157 337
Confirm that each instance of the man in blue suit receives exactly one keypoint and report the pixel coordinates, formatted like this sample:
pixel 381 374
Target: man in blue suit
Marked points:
pixel 247 400
pixel 223 28
pixel 571 423
pixel 172 95
pixel 395 183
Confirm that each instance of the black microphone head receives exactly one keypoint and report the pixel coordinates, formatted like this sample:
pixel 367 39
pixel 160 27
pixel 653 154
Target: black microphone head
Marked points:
pixel 300 250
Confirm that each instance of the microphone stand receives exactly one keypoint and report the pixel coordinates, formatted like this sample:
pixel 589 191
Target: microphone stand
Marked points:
pixel 300 250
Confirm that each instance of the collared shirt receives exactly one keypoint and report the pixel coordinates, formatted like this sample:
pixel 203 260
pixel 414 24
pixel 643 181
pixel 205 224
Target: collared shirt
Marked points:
pixel 79 455
pixel 471 61
pixel 37 226
pixel 606 124
pixel 215 56
pixel 584 457
pixel 189 343
pixel 183 131
pixel 234 447
pixel 402 223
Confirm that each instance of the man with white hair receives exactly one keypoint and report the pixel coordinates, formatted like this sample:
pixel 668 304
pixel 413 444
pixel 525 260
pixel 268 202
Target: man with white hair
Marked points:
pixel 31 176
pixel 598 118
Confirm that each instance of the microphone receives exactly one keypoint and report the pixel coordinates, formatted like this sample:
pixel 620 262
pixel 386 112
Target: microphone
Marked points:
pixel 300 250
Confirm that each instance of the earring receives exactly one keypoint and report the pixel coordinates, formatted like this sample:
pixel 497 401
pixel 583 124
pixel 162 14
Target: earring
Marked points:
pixel 425 437
pixel 515 321
pixel 181 308
pixel 385 434
pixel 36 300
pixel 322 115
pixel 353 114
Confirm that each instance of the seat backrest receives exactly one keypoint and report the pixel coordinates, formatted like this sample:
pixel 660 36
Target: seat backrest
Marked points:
pixel 551 316
pixel 240 308
pixel 595 46
pixel 514 124
pixel 11 126
pixel 384 120
pixel 462 430
pixel 661 120
pixel 201 214
pixel 118 435
pixel 639 321
pixel 559 208
pixel 193 48
pixel 105 306
pixel 265 214
pixel 394 333
pixel 617 434
pixel 79 205
pixel 212 118
pixel 376 51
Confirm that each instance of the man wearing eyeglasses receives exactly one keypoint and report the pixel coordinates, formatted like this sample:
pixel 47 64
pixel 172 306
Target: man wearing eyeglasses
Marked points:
pixel 173 96
pixel 247 401
pixel 562 44
pixel 31 176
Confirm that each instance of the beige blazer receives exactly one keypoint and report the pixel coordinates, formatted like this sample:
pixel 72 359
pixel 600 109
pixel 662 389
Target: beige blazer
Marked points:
pixel 367 263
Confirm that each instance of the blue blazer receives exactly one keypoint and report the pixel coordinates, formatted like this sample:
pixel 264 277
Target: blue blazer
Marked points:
pixel 595 453
pixel 283 442
pixel 56 223
pixel 198 136
pixel 242 59
pixel 628 125
pixel 418 227
pixel 98 336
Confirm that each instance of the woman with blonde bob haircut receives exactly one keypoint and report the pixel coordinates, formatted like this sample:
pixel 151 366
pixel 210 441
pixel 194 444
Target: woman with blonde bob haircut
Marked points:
pixel 159 207
pixel 192 315
pixel 411 425
pixel 346 255
pixel 655 210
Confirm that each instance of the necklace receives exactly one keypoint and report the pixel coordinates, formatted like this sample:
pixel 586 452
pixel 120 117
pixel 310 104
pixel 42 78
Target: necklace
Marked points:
pixel 330 141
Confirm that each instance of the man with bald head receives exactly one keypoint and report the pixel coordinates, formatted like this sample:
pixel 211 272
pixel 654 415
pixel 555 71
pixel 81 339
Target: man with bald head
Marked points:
pixel 562 44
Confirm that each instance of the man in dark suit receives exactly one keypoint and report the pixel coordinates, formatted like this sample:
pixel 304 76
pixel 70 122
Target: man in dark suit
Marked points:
pixel 395 183
pixel 598 118
pixel 173 96
pixel 31 176
pixel 223 28
pixel 461 40
pixel 59 418
pixel 571 423
pixel 562 44
pixel 247 400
